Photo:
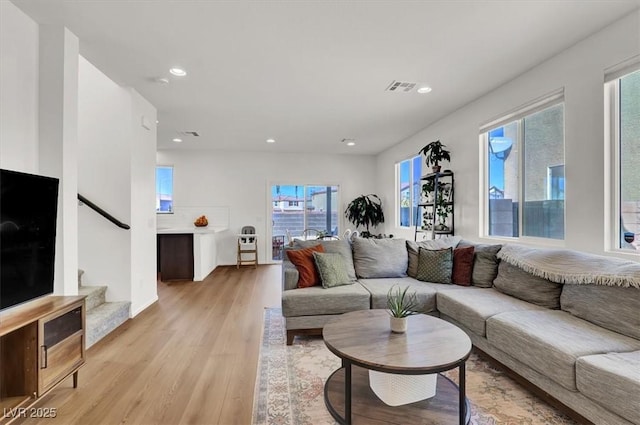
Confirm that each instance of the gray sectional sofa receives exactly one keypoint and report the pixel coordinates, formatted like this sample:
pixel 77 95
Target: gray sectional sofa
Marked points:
pixel 567 322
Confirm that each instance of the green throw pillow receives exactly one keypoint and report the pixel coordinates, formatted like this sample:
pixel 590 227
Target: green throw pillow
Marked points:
pixel 332 269
pixel 434 265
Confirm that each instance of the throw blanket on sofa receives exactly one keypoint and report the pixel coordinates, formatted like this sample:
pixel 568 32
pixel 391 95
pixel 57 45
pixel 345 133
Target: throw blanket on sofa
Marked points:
pixel 566 266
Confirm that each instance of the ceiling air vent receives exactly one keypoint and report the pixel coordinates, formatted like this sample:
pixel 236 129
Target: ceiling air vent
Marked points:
pixel 401 86
pixel 189 133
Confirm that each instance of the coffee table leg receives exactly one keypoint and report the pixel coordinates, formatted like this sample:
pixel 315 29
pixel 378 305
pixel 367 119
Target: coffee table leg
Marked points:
pixel 463 405
pixel 347 391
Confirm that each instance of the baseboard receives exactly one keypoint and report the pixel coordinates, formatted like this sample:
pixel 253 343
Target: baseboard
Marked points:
pixel 143 307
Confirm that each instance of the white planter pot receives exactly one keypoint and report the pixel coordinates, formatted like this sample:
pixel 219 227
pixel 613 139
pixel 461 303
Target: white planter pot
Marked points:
pixel 397 390
pixel 398 324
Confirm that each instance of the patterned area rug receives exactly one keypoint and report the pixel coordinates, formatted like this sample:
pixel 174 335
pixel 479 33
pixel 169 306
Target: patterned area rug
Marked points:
pixel 290 383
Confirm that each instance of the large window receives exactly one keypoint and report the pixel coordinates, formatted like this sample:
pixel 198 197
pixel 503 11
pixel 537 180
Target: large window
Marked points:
pixel 624 130
pixel 164 189
pixel 408 176
pixel 524 172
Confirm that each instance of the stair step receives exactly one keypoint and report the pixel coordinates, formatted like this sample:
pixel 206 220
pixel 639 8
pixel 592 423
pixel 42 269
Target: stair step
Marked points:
pixel 95 295
pixel 104 318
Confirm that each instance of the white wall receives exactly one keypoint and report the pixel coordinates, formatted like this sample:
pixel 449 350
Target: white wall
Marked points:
pixel 18 90
pixel 579 70
pixel 242 181
pixel 143 196
pixel 104 133
pixel 116 164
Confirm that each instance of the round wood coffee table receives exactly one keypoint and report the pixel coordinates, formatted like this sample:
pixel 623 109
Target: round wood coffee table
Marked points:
pixel 363 339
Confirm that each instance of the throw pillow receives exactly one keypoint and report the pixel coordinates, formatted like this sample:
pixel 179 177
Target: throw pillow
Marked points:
pixel 413 250
pixel 435 265
pixel 462 265
pixel 485 263
pixel 341 247
pixel 332 270
pixel 304 262
pixel 373 258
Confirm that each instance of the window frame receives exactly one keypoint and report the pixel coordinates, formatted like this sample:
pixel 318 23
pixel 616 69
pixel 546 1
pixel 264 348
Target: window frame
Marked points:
pixel 517 116
pixel 613 150
pixel 398 193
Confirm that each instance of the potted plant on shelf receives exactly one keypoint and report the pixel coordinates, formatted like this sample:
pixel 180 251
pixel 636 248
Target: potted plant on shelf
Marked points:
pixel 427 191
pixel 401 305
pixel 435 152
pixel 443 207
pixel 365 211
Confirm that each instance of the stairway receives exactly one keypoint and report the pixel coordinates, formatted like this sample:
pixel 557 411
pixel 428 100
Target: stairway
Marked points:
pixel 102 317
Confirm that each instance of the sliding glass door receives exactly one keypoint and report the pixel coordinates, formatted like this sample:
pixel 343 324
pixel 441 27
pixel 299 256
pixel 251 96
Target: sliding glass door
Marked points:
pixel 299 207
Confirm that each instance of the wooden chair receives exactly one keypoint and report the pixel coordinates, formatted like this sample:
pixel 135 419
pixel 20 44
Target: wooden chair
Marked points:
pixel 247 247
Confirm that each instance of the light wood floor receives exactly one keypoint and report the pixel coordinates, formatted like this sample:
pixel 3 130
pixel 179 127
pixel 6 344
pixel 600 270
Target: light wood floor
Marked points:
pixel 190 358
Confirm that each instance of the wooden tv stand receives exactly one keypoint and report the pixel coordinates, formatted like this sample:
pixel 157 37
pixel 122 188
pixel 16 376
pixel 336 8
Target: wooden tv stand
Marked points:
pixel 41 344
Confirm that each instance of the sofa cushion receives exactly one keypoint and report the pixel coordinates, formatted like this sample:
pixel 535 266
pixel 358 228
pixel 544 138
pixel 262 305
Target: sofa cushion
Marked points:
pixel 303 260
pixel 317 300
pixel 610 380
pixel 379 288
pixel 612 307
pixel 485 263
pixel 413 250
pixel 341 247
pixel 514 281
pixel 462 265
pixel 435 265
pixel 472 306
pixel 379 257
pixel 332 270
pixel 550 341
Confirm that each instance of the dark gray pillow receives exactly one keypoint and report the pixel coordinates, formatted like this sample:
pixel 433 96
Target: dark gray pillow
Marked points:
pixel 341 247
pixel 374 258
pixel 514 281
pixel 332 269
pixel 485 263
pixel 413 250
pixel 612 307
pixel 435 266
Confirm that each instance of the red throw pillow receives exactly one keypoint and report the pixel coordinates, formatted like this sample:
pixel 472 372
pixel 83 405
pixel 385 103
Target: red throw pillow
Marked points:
pixel 305 263
pixel 462 266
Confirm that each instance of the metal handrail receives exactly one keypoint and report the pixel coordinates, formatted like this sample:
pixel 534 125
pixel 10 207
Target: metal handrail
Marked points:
pixel 103 213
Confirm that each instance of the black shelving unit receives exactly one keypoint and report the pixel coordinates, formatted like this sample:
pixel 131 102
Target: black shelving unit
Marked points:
pixel 438 179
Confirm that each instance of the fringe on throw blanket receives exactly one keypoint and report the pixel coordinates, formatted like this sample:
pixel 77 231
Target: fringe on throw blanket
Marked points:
pixel 573 267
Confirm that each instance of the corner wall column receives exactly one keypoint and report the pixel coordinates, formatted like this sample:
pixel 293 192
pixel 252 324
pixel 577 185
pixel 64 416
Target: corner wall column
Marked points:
pixel 58 143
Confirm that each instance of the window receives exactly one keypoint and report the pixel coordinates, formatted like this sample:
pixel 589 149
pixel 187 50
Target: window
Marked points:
pixel 164 189
pixel 524 172
pixel 624 130
pixel 408 176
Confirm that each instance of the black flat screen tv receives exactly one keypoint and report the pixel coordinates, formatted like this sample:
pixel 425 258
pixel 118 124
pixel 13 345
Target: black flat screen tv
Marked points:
pixel 28 214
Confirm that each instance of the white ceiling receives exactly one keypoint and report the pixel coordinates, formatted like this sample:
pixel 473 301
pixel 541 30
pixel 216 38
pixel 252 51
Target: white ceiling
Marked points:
pixel 310 73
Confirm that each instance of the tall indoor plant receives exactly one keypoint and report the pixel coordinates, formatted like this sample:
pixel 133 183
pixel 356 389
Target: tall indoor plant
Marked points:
pixel 365 211
pixel 434 153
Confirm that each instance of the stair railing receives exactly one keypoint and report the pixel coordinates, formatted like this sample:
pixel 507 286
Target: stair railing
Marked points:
pixel 103 213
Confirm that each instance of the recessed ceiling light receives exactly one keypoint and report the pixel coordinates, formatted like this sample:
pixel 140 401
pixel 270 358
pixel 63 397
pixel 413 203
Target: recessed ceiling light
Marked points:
pixel 178 72
pixel 177 140
pixel 424 89
pixel 351 143
pixel 271 140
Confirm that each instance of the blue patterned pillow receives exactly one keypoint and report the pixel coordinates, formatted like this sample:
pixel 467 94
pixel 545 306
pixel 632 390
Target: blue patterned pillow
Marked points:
pixel 435 265
pixel 332 269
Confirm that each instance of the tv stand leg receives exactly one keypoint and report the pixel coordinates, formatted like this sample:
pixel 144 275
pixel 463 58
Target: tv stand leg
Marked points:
pixel 75 379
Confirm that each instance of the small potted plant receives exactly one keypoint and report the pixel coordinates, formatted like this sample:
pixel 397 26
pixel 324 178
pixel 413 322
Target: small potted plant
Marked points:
pixel 365 211
pixel 401 305
pixel 435 152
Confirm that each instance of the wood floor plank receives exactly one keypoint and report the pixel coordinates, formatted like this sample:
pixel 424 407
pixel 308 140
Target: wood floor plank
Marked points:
pixel 190 358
